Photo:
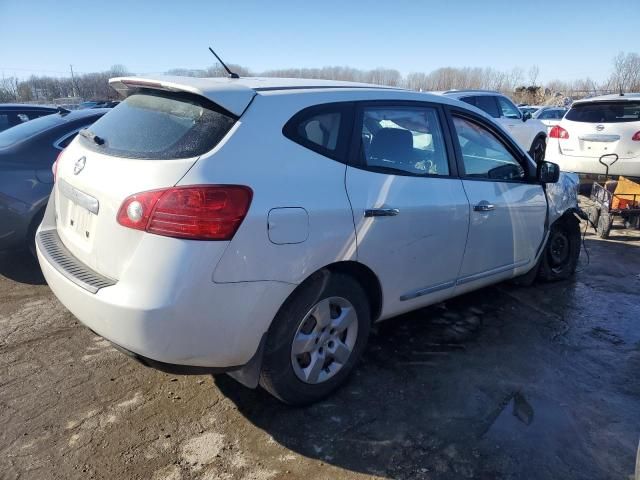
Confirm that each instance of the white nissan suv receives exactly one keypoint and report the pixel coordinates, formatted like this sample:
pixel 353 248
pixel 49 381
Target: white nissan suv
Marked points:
pixel 597 132
pixel 260 226
pixel 530 133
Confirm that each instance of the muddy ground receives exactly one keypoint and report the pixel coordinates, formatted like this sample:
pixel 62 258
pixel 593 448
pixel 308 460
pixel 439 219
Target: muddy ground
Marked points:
pixel 539 382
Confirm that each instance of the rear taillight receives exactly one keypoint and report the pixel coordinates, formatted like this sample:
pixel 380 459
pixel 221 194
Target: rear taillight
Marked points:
pixel 203 212
pixel 636 136
pixel 558 132
pixel 54 167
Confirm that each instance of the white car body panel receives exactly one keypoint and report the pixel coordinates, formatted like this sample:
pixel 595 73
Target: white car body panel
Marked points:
pixel 512 231
pixel 417 253
pixel 209 303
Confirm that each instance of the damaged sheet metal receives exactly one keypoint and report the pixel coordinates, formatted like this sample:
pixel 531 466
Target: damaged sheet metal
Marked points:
pixel 562 195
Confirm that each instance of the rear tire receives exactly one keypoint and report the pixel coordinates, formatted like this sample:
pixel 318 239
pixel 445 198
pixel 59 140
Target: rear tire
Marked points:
pixel 285 371
pixel 560 257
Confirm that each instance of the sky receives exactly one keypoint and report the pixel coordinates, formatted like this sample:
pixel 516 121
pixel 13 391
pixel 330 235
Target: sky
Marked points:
pixel 566 39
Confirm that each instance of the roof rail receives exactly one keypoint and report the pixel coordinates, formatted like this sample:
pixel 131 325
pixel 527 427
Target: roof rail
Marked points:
pixel 471 90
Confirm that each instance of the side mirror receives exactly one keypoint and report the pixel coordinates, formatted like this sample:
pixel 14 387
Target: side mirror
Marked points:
pixel 548 172
pixel 526 116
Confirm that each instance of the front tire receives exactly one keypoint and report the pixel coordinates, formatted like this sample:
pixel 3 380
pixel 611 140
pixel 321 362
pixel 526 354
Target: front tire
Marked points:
pixel 316 339
pixel 560 257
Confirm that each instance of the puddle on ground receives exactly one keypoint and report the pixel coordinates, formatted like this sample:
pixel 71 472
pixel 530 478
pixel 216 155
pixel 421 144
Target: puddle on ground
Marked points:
pixel 531 422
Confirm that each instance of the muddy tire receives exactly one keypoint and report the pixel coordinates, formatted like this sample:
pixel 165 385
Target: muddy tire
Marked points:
pixel 560 257
pixel 538 148
pixel 604 225
pixel 316 339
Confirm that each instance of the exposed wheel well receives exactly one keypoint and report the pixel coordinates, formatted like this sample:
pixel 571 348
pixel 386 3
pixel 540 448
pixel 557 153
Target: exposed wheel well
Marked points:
pixel 361 273
pixel 539 136
pixel 568 217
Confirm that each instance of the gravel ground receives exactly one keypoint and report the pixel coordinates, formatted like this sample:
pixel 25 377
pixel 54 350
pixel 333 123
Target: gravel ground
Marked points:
pixel 507 382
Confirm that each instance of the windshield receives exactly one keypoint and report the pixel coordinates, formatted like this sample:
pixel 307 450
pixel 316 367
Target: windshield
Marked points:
pixel 28 129
pixel 605 112
pixel 160 125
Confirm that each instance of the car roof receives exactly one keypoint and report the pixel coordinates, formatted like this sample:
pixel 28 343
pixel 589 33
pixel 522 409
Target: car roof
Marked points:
pixel 24 106
pixel 233 94
pixel 616 97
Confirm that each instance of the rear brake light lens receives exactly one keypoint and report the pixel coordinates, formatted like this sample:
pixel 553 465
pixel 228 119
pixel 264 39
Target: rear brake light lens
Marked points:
pixel 636 136
pixel 211 212
pixel 558 132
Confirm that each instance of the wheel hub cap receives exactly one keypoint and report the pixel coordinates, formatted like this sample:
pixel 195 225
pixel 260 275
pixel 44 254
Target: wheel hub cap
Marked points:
pixel 324 340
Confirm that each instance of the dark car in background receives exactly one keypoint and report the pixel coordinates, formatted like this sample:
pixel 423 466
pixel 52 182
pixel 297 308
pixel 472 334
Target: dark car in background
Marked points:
pixel 27 153
pixel 12 114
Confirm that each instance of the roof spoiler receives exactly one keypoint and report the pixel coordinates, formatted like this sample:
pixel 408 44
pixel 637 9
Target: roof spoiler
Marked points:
pixel 230 95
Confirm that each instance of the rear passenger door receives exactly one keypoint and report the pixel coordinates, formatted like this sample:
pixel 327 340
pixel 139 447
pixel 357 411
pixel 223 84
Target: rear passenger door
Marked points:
pixel 409 209
pixel 508 206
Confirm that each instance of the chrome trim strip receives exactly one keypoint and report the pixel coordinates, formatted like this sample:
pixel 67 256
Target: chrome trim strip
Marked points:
pixel 79 197
pixel 427 290
pixel 60 258
pixel 595 137
pixel 488 273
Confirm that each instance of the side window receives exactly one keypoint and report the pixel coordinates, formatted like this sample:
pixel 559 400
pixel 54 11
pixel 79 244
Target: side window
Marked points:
pixel 484 155
pixel 319 129
pixel 547 115
pixel 469 100
pixel 403 140
pixel 23 117
pixel 508 109
pixel 488 104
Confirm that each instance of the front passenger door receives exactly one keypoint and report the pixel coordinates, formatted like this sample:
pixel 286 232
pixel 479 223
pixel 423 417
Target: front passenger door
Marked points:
pixel 508 208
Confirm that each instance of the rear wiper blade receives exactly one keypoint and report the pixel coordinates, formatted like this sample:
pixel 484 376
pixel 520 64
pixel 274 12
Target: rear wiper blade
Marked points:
pixel 86 133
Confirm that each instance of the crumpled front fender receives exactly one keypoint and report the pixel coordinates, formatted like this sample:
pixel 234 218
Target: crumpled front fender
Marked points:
pixel 562 196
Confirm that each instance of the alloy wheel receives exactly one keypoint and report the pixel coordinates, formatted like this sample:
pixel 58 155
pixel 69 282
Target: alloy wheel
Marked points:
pixel 324 340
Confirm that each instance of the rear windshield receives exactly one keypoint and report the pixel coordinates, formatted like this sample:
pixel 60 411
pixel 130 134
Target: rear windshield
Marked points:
pixel 605 112
pixel 160 125
pixel 28 129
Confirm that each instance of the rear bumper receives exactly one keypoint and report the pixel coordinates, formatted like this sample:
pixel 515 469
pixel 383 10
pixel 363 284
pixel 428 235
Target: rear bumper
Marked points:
pixel 202 325
pixel 165 309
pixel 629 167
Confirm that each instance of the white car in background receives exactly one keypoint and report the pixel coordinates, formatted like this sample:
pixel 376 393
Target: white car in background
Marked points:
pixel 550 116
pixel 531 134
pixel 606 125
pixel 530 109
pixel 260 226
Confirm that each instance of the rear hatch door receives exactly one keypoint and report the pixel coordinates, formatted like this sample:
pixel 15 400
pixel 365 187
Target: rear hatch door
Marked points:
pixel 149 141
pixel 600 128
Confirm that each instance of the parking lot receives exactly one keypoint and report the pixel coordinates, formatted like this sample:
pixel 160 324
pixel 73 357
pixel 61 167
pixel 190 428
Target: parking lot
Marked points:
pixel 507 382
